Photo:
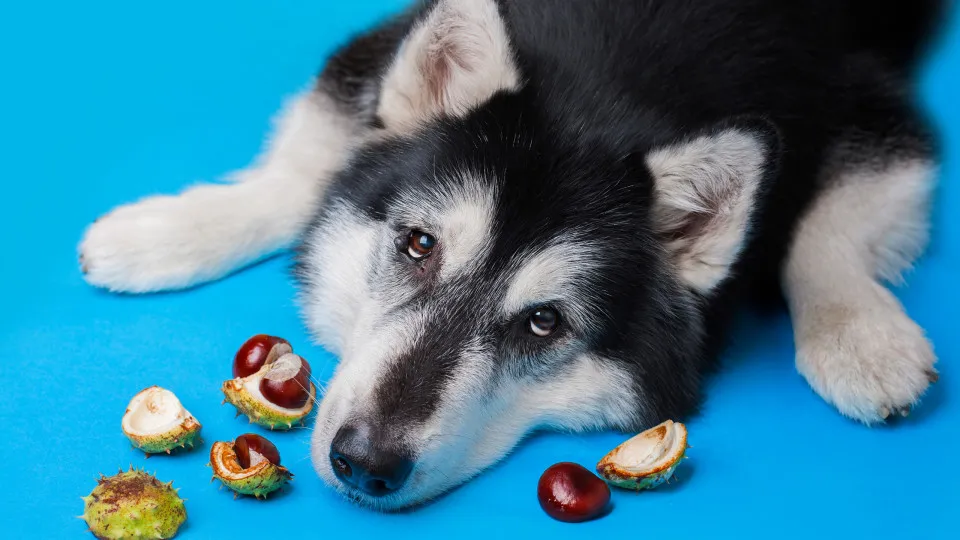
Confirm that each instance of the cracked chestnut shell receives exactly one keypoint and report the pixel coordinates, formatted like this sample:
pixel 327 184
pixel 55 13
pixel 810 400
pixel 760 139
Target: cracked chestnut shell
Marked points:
pixel 570 492
pixel 250 465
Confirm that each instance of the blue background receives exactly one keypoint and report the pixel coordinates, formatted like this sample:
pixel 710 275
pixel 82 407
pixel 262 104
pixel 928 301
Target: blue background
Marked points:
pixel 104 102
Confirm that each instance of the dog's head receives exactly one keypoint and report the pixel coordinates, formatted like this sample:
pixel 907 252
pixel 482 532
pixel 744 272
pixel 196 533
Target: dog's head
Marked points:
pixel 495 267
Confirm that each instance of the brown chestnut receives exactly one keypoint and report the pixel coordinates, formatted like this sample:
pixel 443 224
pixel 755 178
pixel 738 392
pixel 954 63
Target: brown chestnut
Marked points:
pixel 252 449
pixel 287 383
pixel 257 351
pixel 569 492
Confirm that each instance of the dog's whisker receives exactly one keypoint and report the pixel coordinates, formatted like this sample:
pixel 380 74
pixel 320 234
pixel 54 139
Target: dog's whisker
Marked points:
pixel 312 395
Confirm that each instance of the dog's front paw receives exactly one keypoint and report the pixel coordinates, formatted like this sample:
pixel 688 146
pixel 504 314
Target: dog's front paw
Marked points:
pixel 872 363
pixel 156 244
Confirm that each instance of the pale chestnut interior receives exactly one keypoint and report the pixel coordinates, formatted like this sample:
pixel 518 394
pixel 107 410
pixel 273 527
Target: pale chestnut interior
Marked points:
pixel 252 385
pixel 650 450
pixel 154 411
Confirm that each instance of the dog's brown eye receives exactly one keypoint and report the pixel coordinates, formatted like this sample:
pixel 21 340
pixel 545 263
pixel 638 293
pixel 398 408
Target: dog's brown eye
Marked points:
pixel 420 244
pixel 544 321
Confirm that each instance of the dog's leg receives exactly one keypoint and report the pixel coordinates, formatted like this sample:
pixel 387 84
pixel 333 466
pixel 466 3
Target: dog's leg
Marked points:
pixel 855 345
pixel 171 242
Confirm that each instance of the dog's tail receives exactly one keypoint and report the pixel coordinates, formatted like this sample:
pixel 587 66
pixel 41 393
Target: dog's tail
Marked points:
pixel 899 30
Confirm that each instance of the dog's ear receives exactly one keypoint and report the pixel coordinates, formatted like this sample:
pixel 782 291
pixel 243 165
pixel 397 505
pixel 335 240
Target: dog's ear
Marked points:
pixel 705 194
pixel 455 58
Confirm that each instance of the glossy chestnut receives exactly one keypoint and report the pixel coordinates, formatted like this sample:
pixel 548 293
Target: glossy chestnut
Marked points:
pixel 569 492
pixel 287 383
pixel 256 352
pixel 252 449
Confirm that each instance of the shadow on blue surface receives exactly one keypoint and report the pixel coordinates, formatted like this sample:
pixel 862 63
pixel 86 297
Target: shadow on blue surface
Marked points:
pixel 104 102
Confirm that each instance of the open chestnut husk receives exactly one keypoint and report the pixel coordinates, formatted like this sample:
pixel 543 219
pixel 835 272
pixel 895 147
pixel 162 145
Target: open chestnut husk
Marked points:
pixel 250 465
pixel 570 492
pixel 156 422
pixel 648 459
pixel 279 394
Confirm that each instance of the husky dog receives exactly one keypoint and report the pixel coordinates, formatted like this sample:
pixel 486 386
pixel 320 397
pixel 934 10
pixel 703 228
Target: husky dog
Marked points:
pixel 522 214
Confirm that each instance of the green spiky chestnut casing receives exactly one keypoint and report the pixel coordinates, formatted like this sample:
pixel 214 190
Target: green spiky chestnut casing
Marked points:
pixel 272 388
pixel 260 478
pixel 156 422
pixel 646 460
pixel 133 505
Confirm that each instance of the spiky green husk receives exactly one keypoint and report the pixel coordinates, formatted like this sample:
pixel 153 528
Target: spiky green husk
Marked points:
pixel 186 435
pixel 261 485
pixel 259 481
pixel 261 413
pixel 133 505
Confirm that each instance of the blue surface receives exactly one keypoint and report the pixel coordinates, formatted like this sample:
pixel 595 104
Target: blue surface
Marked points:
pixel 103 102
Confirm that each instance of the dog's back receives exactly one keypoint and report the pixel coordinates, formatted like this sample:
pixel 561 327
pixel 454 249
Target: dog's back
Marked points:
pixel 647 72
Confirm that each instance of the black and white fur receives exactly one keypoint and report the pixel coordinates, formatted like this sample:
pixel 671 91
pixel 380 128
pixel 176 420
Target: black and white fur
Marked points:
pixel 637 165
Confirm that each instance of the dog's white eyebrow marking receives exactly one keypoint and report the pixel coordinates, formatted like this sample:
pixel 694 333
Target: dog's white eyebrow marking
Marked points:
pixel 558 272
pixel 460 214
pixel 466 229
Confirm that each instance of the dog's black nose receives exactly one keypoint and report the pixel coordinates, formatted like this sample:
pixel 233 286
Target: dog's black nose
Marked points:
pixel 361 461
